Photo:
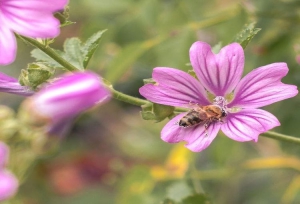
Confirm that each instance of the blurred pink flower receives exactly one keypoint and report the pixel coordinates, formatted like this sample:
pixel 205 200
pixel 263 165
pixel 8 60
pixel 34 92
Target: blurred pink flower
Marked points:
pixel 8 182
pixel 31 18
pixel 220 74
pixel 60 102
pixel 11 85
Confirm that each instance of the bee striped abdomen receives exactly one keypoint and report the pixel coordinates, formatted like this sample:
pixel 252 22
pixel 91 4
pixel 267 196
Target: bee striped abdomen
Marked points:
pixel 190 119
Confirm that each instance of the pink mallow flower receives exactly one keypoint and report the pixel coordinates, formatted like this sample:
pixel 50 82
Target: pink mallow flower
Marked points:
pixel 58 103
pixel 220 74
pixel 31 18
pixel 8 182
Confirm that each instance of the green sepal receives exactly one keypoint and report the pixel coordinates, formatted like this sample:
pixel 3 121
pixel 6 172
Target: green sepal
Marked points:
pixel 63 17
pixel 149 81
pixel 246 34
pixel 35 74
pixel 192 73
pixel 157 112
pixel 23 78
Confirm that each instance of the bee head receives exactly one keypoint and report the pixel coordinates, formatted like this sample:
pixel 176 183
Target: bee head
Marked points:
pixel 224 113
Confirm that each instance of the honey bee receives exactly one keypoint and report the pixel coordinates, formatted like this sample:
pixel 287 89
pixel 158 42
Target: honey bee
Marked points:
pixel 202 114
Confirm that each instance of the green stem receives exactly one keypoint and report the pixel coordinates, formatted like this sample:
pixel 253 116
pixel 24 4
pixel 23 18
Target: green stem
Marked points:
pixel 126 98
pixel 50 52
pixel 281 137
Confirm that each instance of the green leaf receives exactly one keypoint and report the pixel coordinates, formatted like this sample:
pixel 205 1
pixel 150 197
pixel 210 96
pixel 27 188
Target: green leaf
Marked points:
pixel 43 57
pixel 179 191
pixel 90 47
pixel 196 199
pixel 74 52
pixel 246 34
pixel 72 48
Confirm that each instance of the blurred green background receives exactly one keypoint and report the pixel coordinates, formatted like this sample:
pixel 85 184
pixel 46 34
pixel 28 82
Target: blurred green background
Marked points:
pixel 113 156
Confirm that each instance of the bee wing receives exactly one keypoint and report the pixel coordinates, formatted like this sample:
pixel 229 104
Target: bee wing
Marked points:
pixel 194 106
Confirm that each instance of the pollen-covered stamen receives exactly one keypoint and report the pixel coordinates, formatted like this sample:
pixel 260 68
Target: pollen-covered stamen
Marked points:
pixel 222 102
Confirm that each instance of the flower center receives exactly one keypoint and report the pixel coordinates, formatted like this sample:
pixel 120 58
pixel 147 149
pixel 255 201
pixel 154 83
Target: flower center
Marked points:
pixel 222 103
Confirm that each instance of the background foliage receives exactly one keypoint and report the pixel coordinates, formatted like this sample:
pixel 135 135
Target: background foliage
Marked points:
pixel 113 156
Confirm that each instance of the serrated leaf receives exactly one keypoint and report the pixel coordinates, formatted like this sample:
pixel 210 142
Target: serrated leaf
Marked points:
pixel 43 57
pixel 90 47
pixel 74 52
pixel 246 34
pixel 72 48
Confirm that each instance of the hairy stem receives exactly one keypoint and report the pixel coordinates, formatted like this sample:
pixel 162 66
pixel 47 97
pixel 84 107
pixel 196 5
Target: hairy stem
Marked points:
pixel 50 52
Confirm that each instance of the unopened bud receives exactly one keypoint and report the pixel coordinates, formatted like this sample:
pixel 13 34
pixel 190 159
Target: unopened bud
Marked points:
pixel 57 104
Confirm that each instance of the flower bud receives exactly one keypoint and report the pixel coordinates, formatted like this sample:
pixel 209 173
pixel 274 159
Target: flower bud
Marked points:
pixel 57 104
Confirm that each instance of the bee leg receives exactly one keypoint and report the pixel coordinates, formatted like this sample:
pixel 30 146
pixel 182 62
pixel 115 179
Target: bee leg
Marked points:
pixel 220 120
pixel 206 125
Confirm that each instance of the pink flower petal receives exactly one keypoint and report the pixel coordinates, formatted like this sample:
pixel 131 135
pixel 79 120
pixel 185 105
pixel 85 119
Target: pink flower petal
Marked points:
pixel 32 18
pixel 11 85
pixel 219 73
pixel 8 45
pixel 171 133
pixel 8 185
pixel 195 136
pixel 198 139
pixel 45 5
pixel 175 88
pixel 262 87
pixel 247 124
